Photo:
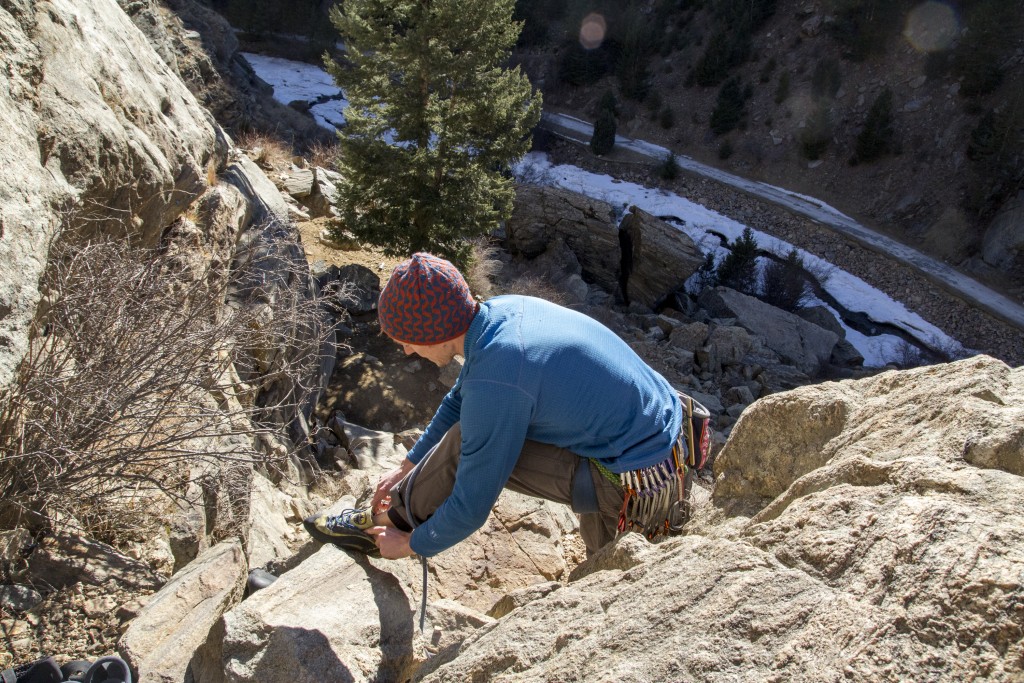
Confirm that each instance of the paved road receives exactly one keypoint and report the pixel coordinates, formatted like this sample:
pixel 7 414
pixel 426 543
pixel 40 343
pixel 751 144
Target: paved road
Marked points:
pixel 950 279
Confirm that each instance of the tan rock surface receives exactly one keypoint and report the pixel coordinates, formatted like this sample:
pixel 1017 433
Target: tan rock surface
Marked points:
pixel 892 550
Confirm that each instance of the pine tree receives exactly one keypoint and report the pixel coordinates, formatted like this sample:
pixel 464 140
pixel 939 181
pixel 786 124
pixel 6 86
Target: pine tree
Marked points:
pixel 669 169
pixel 603 139
pixel 995 150
pixel 433 121
pixel 738 270
pixel 730 108
pixel 815 137
pixel 785 282
pixel 878 135
pixel 634 75
pixel 707 274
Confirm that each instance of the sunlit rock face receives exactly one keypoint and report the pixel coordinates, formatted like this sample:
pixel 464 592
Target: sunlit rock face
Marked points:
pixel 860 530
pixel 99 133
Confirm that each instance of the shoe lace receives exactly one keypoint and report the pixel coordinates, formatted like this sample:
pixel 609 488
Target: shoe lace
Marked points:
pixel 342 519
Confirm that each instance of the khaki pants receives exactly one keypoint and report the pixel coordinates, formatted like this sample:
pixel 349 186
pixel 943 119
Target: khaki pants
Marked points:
pixel 543 471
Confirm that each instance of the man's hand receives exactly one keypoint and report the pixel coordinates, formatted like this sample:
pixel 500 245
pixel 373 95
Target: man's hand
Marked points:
pixel 388 481
pixel 393 544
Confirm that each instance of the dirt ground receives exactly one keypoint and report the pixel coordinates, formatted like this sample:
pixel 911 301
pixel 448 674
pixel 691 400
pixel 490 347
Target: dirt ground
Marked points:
pixel 375 385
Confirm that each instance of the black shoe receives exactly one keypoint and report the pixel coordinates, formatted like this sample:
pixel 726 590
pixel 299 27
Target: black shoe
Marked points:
pixel 345 530
pixel 258 580
pixel 108 670
pixel 74 671
pixel 39 671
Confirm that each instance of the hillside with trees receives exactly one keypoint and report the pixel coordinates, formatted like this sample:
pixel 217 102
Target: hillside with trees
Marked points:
pixel 908 116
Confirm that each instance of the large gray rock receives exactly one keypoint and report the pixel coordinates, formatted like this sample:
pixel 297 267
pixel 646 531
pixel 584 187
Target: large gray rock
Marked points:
pixel 844 354
pixel 586 225
pixel 324 193
pixel 66 558
pixel 361 286
pixel 891 549
pixel 342 617
pixel 335 617
pixel 18 598
pixel 160 642
pixel 690 336
pixel 265 203
pixel 730 342
pixel 299 182
pixel 798 342
pixel 96 124
pixel 271 514
pixel 524 541
pixel 643 622
pixel 661 257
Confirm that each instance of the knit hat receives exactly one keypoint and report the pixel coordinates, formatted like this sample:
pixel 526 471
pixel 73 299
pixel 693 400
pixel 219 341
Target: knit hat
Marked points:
pixel 426 301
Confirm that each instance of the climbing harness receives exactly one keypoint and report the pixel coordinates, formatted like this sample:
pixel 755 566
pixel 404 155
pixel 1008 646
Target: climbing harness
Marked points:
pixel 656 498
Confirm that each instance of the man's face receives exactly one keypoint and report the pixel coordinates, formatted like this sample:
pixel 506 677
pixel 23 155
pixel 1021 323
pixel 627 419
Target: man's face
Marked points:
pixel 438 354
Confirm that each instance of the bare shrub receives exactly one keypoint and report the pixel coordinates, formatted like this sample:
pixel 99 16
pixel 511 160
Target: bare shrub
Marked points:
pixel 323 154
pixel 530 174
pixel 907 356
pixel 530 285
pixel 129 385
pixel 483 267
pixel 820 270
pixel 265 149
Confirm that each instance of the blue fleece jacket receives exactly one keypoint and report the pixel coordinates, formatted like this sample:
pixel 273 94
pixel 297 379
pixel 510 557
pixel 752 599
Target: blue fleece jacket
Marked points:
pixel 535 370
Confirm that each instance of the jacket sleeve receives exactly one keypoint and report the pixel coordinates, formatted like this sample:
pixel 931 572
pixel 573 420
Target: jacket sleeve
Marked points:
pixel 448 413
pixel 495 419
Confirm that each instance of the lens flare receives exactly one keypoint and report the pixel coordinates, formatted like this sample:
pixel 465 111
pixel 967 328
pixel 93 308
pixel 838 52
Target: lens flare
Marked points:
pixel 592 31
pixel 931 26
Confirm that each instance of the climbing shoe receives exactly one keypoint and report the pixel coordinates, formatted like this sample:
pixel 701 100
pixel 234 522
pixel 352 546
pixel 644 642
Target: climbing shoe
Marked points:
pixel 108 670
pixel 345 530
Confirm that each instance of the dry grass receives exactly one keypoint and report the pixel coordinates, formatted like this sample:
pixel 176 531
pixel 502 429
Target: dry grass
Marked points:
pixel 482 269
pixel 323 154
pixel 529 285
pixel 268 151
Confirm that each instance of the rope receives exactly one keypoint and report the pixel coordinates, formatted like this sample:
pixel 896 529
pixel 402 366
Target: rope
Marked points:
pixel 423 560
pixel 607 473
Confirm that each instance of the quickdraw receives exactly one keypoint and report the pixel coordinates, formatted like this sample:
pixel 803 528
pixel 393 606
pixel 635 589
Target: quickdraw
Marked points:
pixel 651 493
pixel 656 497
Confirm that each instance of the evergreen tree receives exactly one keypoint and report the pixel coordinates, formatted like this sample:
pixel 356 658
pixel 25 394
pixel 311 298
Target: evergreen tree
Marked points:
pixel 993 31
pixel 827 78
pixel 738 270
pixel 815 137
pixel 707 274
pixel 877 137
pixel 638 42
pixel 579 66
pixel 669 167
pixel 433 121
pixel 605 126
pixel 785 282
pixel 864 27
pixel 996 153
pixel 666 117
pixel 610 102
pixel 730 109
pixel 782 90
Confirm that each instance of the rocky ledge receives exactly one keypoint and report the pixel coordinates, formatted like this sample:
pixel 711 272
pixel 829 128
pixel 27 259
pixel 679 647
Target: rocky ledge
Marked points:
pixel 858 530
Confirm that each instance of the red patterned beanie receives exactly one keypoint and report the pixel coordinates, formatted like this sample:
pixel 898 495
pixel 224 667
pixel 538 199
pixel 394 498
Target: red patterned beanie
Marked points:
pixel 426 301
